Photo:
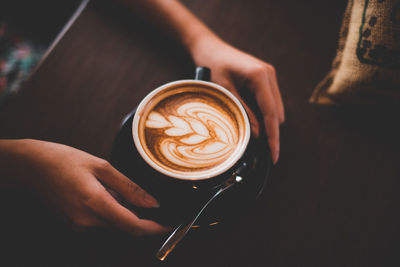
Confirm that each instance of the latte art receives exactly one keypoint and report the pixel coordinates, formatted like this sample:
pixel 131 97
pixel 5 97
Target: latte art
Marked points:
pixel 191 131
pixel 200 136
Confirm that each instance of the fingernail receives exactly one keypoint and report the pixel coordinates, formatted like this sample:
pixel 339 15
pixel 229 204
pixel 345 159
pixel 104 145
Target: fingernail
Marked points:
pixel 151 201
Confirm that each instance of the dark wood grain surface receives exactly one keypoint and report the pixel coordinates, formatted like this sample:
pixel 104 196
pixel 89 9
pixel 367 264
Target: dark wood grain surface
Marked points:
pixel 332 200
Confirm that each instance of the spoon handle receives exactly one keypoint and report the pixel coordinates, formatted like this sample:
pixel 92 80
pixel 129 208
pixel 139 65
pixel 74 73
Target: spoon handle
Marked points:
pixel 179 233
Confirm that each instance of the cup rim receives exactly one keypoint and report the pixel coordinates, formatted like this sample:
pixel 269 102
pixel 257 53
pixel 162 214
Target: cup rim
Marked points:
pixel 231 161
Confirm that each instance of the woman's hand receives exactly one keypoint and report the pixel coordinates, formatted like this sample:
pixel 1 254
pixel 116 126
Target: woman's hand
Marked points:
pixel 229 66
pixel 234 69
pixel 75 183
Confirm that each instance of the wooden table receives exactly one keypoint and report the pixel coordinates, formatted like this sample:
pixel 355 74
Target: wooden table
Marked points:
pixel 333 199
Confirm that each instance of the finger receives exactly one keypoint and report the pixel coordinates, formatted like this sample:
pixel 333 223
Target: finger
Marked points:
pixel 266 102
pixel 80 225
pixel 254 125
pixel 272 130
pixel 130 191
pixel 120 217
pixel 277 95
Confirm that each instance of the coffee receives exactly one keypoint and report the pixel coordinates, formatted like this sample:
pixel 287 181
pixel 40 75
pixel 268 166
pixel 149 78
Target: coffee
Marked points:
pixel 191 130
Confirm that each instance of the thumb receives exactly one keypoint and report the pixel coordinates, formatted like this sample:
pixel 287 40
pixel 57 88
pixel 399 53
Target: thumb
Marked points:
pixel 254 124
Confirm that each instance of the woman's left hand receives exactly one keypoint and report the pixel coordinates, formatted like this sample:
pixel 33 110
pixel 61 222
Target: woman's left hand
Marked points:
pixel 234 69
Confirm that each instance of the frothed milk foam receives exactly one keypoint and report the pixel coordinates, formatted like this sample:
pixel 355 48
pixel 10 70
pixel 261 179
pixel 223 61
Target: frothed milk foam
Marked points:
pixel 191 130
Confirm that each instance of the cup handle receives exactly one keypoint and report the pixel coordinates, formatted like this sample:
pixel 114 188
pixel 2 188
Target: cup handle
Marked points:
pixel 203 73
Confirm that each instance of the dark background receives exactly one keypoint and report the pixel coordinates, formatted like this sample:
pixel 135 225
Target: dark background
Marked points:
pixel 332 200
pixel 40 20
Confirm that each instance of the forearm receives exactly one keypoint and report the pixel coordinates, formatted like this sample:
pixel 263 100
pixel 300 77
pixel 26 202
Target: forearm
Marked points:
pixel 175 19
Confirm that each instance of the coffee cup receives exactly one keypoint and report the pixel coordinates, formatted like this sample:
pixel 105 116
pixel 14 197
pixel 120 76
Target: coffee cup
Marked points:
pixel 183 141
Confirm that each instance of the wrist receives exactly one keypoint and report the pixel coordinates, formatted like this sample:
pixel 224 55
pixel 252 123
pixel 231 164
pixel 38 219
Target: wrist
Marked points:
pixel 202 45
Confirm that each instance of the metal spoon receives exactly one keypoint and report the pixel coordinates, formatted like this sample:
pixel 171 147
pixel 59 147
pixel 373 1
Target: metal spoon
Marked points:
pixel 179 233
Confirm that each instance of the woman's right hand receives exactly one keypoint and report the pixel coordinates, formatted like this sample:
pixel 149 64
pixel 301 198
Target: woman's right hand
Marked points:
pixel 75 183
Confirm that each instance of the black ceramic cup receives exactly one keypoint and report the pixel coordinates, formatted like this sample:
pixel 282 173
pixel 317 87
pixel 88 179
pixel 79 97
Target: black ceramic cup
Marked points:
pixel 180 197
